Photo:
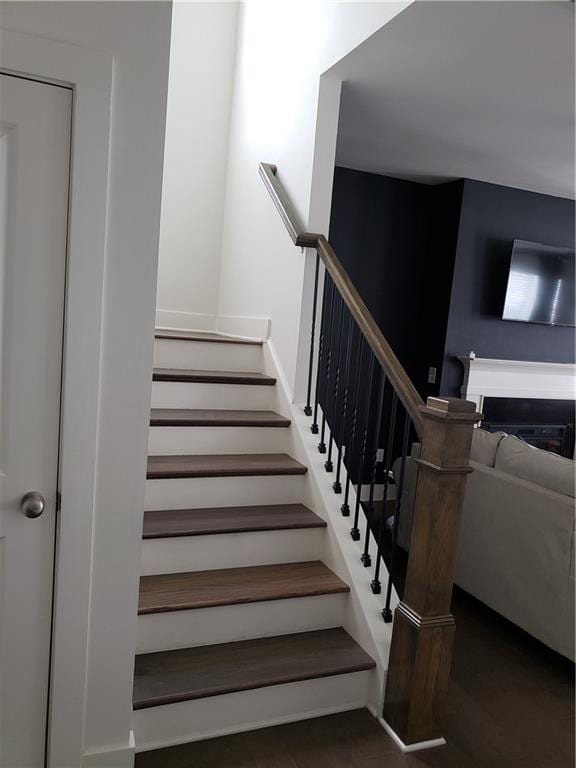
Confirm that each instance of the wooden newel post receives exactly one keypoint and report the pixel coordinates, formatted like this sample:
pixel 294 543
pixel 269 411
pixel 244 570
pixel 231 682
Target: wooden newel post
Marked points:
pixel 423 631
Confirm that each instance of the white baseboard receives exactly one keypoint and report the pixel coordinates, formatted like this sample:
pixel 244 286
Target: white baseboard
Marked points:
pixel 249 327
pixel 410 747
pixel 246 327
pixel 111 758
pixel 186 321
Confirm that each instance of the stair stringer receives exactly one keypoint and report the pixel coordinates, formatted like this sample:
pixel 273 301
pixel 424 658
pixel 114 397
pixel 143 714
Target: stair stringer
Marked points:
pixel 363 616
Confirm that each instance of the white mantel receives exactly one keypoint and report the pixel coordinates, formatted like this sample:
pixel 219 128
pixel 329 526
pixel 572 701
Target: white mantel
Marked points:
pixel 484 377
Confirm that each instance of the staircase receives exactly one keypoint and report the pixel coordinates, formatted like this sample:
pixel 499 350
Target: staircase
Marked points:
pixel 264 597
pixel 240 620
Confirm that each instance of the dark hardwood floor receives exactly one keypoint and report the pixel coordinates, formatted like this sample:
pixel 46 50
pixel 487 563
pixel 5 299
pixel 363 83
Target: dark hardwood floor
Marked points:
pixel 511 705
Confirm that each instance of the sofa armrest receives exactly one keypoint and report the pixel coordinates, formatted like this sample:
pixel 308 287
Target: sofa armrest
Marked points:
pixel 515 553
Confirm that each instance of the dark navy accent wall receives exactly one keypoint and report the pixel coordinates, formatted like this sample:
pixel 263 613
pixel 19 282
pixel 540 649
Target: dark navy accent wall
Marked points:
pixel 431 263
pixel 491 218
pixel 396 239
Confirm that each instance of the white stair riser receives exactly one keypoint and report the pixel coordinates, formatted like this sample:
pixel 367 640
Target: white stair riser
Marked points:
pixel 234 397
pixel 207 440
pixel 194 492
pixel 230 623
pixel 208 356
pixel 231 550
pixel 235 712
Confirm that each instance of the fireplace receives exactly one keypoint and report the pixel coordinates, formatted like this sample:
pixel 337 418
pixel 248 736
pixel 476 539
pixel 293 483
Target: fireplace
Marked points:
pixel 547 424
pixel 534 401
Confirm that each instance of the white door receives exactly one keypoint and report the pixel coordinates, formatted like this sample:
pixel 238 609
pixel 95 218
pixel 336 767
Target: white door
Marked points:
pixel 35 121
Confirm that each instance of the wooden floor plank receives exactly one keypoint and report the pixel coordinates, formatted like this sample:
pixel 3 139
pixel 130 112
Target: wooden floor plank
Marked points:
pixel 214 417
pixel 213 377
pixel 212 670
pixel 223 465
pixel 166 592
pixel 353 739
pixel 165 523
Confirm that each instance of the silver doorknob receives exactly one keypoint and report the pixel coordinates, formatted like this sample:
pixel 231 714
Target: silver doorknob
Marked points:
pixel 32 504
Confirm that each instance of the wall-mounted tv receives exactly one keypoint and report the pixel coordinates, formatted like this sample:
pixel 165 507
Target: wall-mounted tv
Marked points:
pixel 540 284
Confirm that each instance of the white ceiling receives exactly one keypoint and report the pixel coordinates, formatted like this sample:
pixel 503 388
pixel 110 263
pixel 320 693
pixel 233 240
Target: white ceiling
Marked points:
pixel 481 90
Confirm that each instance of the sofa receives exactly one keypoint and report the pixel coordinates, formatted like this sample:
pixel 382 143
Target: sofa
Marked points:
pixel 516 546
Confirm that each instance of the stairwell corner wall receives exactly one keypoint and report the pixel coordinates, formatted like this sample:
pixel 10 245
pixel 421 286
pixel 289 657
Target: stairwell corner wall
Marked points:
pixel 281 113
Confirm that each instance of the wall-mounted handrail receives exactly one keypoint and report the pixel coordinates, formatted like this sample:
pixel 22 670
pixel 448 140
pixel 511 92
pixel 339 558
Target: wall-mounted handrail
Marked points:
pixel 375 339
pixel 268 174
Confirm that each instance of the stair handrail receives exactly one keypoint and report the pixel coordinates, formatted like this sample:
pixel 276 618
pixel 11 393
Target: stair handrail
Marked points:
pixel 423 629
pixel 375 339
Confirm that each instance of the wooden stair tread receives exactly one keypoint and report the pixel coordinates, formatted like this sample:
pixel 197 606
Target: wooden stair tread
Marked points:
pixel 219 338
pixel 167 523
pixel 213 377
pixel 211 670
pixel 232 586
pixel 223 465
pixel 190 417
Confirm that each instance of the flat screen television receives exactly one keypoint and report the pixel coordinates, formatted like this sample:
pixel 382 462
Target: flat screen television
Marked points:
pixel 540 284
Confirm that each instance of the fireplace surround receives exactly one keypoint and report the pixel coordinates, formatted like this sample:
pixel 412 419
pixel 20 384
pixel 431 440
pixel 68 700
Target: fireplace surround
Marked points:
pixel 534 401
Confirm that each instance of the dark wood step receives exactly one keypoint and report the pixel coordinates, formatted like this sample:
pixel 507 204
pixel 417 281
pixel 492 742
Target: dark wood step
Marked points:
pixel 211 670
pixel 166 592
pixel 185 417
pixel 223 465
pixel 166 523
pixel 218 338
pixel 213 377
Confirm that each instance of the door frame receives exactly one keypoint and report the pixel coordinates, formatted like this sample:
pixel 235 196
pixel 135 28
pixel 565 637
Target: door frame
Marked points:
pixel 89 74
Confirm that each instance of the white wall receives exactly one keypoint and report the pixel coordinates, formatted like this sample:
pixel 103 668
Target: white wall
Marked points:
pixel 283 49
pixel 138 37
pixel 197 127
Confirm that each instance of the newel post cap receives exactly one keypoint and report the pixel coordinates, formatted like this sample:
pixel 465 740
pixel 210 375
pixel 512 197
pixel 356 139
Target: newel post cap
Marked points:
pixel 451 409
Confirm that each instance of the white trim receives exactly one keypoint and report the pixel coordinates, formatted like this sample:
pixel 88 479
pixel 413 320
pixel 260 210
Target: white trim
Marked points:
pixel 327 115
pixel 111 758
pixel 90 74
pixel 246 327
pixel 231 325
pixel 409 747
pixel 184 321
pixel 485 377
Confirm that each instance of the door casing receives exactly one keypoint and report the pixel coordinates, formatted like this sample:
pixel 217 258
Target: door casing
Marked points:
pixel 89 74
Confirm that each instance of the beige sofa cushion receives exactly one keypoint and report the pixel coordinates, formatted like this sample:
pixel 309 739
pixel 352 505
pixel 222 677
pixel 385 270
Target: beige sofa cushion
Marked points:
pixel 540 467
pixel 484 446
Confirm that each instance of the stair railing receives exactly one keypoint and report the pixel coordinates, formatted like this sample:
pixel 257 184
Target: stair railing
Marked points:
pixel 367 413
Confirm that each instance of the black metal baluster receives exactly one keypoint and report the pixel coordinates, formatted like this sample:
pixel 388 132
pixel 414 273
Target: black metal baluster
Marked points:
pixel 349 458
pixel 355 532
pixel 308 407
pixel 376 585
pixel 366 560
pixel 328 466
pixel 327 355
pixel 337 486
pixel 387 613
pixel 321 352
